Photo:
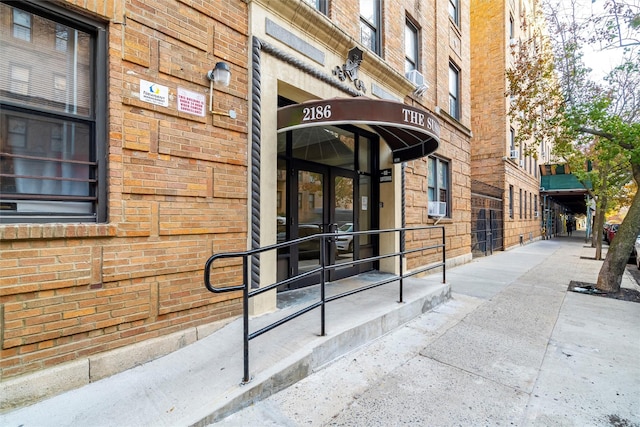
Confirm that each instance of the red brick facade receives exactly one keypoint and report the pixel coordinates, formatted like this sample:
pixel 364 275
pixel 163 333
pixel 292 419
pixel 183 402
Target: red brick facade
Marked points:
pixel 177 191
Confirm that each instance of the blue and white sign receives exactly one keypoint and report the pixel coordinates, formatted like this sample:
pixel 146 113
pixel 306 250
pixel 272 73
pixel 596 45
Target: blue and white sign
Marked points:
pixel 154 93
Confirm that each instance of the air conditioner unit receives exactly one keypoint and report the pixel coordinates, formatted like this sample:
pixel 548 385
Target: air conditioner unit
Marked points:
pixel 513 42
pixel 521 163
pixel 514 154
pixel 543 154
pixel 536 214
pixel 437 208
pixel 415 77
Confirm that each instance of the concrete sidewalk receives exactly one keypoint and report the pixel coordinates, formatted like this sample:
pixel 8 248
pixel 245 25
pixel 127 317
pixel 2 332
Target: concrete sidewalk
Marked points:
pixel 511 345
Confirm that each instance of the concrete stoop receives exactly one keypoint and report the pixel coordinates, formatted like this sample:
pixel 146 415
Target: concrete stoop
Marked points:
pixel 202 382
pixel 320 351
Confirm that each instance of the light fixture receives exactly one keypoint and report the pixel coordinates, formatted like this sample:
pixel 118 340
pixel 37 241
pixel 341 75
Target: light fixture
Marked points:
pixel 222 75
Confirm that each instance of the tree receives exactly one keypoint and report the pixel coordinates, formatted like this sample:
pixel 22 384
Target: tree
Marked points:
pixel 555 99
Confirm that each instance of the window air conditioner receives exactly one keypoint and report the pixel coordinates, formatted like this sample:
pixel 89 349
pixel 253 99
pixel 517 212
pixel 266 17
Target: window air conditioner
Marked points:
pixel 415 77
pixel 437 208
pixel 521 163
pixel 535 214
pixel 514 154
pixel 513 42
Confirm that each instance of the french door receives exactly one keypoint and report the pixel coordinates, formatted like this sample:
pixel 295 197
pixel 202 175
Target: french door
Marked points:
pixel 323 203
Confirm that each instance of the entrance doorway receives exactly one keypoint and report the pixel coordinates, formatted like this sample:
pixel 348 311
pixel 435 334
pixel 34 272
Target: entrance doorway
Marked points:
pixel 325 186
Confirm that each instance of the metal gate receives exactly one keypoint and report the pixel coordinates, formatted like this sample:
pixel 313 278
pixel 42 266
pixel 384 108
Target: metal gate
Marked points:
pixel 486 219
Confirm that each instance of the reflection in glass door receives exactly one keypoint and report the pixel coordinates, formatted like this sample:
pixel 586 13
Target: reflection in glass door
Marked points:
pixel 311 218
pixel 343 220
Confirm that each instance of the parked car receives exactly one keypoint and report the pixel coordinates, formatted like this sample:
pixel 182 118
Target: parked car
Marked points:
pixel 344 242
pixel 636 252
pixel 611 232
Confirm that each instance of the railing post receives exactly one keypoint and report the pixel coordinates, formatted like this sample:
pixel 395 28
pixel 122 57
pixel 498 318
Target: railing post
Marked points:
pixel 324 250
pixel 402 249
pixel 444 258
pixel 245 314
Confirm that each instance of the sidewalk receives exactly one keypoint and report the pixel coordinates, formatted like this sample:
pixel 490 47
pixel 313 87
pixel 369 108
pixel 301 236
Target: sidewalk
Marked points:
pixel 510 345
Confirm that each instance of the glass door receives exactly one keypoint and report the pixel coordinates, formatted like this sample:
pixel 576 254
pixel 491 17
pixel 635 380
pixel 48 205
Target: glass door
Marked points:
pixel 312 218
pixel 343 196
pixel 324 185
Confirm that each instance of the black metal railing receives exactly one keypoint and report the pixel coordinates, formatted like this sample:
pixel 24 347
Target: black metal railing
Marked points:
pixel 326 240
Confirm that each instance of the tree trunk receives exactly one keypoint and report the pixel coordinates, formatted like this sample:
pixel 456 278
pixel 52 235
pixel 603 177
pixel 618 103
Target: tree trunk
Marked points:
pixel 598 226
pixel 610 276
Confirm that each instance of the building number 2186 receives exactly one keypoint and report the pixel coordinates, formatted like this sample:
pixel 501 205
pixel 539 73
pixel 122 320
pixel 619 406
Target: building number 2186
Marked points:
pixel 316 113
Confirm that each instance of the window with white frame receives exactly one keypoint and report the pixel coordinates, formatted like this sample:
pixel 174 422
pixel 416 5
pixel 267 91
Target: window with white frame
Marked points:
pixel 21 24
pixel 454 13
pixel 438 191
pixel 53 125
pixel 410 47
pixel 370 25
pixel 512 141
pixel 62 37
pixel 512 27
pixel 20 77
pixel 454 91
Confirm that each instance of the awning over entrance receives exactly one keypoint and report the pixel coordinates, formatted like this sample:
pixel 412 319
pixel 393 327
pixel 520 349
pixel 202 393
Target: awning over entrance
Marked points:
pixel 562 186
pixel 410 132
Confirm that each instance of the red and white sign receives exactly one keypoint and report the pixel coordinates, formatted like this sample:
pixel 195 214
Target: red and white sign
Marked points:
pixel 191 102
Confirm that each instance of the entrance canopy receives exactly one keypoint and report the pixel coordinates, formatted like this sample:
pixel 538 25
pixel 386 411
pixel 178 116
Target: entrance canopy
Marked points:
pixel 562 186
pixel 410 132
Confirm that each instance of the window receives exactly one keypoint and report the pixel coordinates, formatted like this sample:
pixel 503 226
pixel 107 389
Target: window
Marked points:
pixel 530 206
pixel 512 140
pixel 454 91
pixel 59 87
pixel 21 25
pixel 53 123
pixel 525 205
pixel 520 207
pixel 512 27
pixel 370 24
pixel 453 12
pixel 20 78
pixel 62 37
pixel 535 205
pixel 511 201
pixel 410 47
pixel 320 5
pixel 438 185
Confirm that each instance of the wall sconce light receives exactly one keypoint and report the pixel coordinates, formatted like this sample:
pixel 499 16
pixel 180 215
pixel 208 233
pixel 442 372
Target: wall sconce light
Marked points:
pixel 220 74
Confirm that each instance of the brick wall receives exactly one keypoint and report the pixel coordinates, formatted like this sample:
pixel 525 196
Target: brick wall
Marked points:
pixel 490 57
pixel 177 192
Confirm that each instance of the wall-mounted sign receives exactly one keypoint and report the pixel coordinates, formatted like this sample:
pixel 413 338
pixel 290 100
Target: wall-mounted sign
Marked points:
pixel 385 175
pixel 410 132
pixel 154 93
pixel 191 102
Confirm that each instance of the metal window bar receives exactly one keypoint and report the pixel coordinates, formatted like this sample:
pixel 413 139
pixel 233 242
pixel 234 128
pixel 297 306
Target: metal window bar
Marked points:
pixel 323 269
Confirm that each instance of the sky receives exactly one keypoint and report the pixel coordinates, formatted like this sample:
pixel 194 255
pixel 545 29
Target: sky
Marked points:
pixel 600 61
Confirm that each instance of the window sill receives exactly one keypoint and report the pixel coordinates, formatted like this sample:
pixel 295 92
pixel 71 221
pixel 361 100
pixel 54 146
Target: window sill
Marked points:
pixel 55 231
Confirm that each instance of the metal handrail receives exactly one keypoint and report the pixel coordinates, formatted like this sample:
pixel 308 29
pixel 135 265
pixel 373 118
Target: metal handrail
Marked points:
pixel 323 269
